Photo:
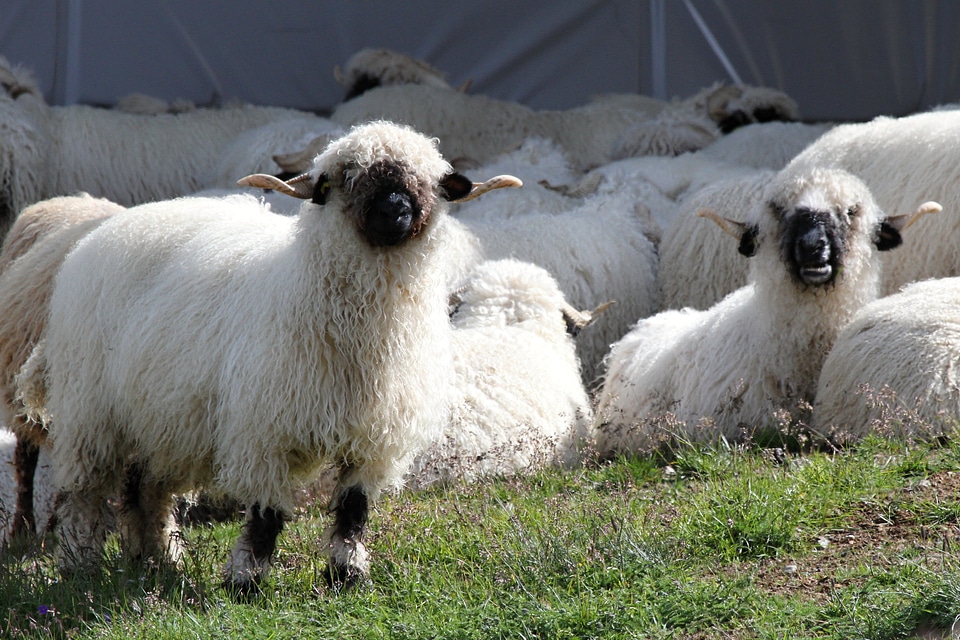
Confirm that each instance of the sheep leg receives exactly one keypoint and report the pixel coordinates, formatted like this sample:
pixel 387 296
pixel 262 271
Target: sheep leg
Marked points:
pixel 25 457
pixel 81 529
pixel 349 561
pixel 147 525
pixel 252 554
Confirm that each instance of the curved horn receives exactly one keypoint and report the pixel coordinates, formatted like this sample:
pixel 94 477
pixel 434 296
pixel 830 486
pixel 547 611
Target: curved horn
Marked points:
pixel 299 187
pixel 338 75
pixel 497 182
pixel 732 227
pixel 922 210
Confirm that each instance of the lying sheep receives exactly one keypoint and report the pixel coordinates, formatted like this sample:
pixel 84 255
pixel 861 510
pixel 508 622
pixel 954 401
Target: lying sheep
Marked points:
pixel 32 253
pixel 699 120
pixel 50 151
pixel 893 368
pixel 369 68
pixel 756 354
pixel 319 338
pixel 519 403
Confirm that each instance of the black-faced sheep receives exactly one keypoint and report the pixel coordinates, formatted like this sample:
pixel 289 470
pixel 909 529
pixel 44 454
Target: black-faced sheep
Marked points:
pixel 894 368
pixel 208 342
pixel 32 253
pixel 758 352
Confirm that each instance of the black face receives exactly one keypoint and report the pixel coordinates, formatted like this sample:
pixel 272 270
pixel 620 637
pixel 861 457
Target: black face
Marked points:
pixel 392 205
pixel 813 245
pixel 390 218
pixel 361 85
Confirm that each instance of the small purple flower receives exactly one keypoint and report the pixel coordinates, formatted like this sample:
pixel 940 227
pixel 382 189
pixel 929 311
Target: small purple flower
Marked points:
pixel 107 617
pixel 43 609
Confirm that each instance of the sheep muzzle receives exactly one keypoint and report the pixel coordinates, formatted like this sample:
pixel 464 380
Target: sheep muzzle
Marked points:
pixel 813 246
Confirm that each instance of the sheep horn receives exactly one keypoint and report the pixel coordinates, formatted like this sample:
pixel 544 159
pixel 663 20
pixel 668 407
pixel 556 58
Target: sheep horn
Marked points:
pixel 300 161
pixel 465 86
pixel 577 320
pixel 497 182
pixel 922 210
pixel 299 187
pixel 338 75
pixel 732 227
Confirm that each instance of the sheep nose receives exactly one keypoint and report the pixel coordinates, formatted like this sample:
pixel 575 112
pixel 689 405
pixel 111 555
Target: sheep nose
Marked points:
pixel 390 219
pixel 812 252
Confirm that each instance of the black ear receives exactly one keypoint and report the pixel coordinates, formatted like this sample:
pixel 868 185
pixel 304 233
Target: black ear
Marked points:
pixel 455 186
pixel 320 190
pixel 888 237
pixel 748 241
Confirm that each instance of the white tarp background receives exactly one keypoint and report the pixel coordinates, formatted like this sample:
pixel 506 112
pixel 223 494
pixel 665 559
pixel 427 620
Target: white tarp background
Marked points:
pixel 840 59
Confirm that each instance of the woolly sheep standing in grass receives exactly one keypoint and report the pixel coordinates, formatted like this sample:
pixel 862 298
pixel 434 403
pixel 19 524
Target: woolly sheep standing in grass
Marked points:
pixel 33 251
pixel 51 151
pixel 893 368
pixel 758 352
pixel 208 342
pixel 519 403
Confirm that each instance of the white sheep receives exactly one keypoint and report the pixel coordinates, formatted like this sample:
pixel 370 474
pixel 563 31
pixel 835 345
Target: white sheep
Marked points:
pixel 697 121
pixel 49 151
pixel 904 160
pixel 519 404
pixel 477 128
pixel 756 354
pixel 42 504
pixel 208 342
pixel 369 68
pixel 893 368
pixel 32 253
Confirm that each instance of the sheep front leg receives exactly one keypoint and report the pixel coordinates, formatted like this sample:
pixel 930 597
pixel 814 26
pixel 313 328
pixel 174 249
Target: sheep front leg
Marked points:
pixel 349 561
pixel 252 554
pixel 25 457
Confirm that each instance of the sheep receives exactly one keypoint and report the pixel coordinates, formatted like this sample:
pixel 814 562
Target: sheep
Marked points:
pixel 369 68
pixel 312 339
pixel 32 253
pixel 48 151
pixel 901 159
pixel 752 360
pixel 519 402
pixel 699 120
pixel 893 368
pixel 42 504
pixel 599 251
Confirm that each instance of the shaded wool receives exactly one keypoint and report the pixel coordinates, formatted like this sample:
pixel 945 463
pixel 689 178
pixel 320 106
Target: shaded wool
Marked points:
pixel 519 404
pixel 894 368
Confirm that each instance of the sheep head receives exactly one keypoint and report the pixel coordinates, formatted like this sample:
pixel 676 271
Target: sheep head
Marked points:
pixel 815 218
pixel 388 178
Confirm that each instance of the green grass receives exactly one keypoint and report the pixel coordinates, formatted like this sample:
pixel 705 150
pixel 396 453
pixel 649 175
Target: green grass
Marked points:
pixel 717 542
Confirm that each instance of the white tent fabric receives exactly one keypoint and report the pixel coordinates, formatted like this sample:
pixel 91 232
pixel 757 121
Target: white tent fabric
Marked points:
pixel 841 60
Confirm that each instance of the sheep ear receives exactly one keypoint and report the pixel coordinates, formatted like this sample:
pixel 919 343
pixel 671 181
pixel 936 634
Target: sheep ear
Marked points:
pixel 744 233
pixel 576 320
pixel 453 185
pixel 299 187
pixel 889 230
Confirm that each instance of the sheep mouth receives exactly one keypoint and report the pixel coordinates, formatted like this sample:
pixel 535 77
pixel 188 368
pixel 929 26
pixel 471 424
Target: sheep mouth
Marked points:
pixel 816 273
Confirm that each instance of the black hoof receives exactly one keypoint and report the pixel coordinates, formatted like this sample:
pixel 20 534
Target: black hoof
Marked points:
pixel 343 577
